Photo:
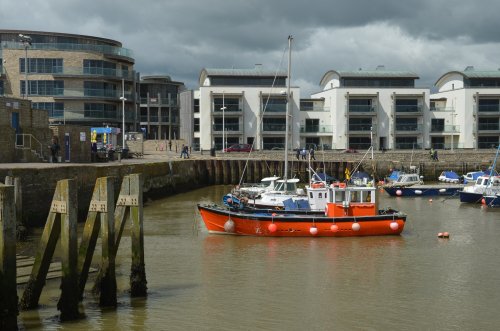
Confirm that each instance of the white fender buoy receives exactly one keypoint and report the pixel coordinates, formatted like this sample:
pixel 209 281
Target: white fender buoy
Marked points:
pixel 229 226
pixel 442 190
pixel 399 192
pixel 418 192
pixel 356 226
pixel 334 227
pixel 394 226
pixel 313 230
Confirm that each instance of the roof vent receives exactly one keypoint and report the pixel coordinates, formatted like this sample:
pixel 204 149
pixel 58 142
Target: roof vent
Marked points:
pixel 469 68
pixel 380 67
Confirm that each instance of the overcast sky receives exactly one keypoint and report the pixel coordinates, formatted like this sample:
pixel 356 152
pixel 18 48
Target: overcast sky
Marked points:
pixel 181 37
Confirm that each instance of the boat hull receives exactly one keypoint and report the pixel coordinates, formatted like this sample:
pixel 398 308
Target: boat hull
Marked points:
pixel 416 191
pixel 295 225
pixel 492 200
pixel 470 197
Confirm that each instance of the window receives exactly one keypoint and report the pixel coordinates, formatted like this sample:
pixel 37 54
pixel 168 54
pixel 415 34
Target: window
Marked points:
pixel 231 104
pixel 406 143
pixel 100 110
pixel 274 124
pixel 43 87
pixel 41 66
pixel 55 109
pixel 360 105
pixel 487 105
pixel 487 141
pixel 196 125
pixel 99 67
pixel 360 124
pixel 359 142
pixel 312 125
pixel 488 124
pixel 406 124
pixel 99 89
pixel 248 81
pixel 274 105
pixel 407 105
pixel 437 125
pixel 196 105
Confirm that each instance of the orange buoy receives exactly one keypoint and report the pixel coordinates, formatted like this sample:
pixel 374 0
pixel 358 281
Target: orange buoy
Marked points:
pixel 334 227
pixel 446 235
pixel 272 227
pixel 483 201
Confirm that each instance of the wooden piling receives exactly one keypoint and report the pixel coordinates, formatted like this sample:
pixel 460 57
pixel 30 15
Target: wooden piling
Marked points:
pixel 62 220
pixel 130 205
pixel 100 216
pixel 18 201
pixel 8 287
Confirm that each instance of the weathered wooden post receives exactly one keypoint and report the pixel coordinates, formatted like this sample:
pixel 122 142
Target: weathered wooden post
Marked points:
pixel 8 287
pixel 18 200
pixel 62 220
pixel 100 216
pixel 129 204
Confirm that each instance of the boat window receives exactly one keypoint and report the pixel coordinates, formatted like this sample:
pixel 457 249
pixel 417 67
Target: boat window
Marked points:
pixel 355 196
pixel 339 196
pixel 320 195
pixel 310 195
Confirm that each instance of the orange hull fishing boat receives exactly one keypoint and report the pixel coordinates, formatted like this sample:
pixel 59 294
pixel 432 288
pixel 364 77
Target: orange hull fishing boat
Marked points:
pixel 350 211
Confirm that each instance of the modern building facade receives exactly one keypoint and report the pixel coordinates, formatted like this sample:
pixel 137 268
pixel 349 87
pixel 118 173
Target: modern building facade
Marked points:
pixel 159 110
pixel 77 79
pixel 372 107
pixel 466 109
pixel 243 106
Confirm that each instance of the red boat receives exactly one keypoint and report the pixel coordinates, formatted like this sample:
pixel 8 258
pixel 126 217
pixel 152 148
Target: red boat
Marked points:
pixel 350 211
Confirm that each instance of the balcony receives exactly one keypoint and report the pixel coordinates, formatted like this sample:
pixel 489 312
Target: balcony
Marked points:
pixel 103 49
pixel 408 146
pixel 402 110
pixel 94 72
pixel 314 108
pixel 488 127
pixel 162 102
pixel 80 93
pixel 280 108
pixel 274 128
pixel 361 128
pixel 316 129
pixel 445 129
pixel 442 109
pixel 365 109
pixel 408 128
pixel 228 127
pixel 229 109
pixel 82 115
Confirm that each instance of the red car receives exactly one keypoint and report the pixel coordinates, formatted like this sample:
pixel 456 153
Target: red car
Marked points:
pixel 239 148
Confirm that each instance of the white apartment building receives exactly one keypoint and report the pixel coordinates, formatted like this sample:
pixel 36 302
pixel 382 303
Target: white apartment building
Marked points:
pixel 465 112
pixel 372 107
pixel 244 106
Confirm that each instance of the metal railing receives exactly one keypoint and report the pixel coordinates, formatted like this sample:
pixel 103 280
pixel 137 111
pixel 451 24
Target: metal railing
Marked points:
pixel 314 108
pixel 274 127
pixel 362 127
pixel 316 128
pixel 104 49
pixel 361 108
pixel 444 109
pixel 28 141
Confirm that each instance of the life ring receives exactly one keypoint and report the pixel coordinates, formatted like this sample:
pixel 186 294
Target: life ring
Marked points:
pixel 342 185
pixel 317 185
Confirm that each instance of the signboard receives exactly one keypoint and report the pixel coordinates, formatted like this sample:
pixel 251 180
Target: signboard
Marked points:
pixel 83 136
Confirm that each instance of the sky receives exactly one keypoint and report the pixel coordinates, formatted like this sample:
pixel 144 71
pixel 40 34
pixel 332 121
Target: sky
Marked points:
pixel 181 37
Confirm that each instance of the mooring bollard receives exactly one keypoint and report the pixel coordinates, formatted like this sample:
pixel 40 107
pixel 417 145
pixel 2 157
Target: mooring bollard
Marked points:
pixel 61 222
pixel 8 286
pixel 100 216
pixel 130 204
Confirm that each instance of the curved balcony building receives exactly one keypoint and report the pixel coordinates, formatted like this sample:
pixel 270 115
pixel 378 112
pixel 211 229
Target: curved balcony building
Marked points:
pixel 78 79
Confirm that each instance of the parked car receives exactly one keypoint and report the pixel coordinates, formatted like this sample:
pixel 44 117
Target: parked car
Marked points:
pixel 239 148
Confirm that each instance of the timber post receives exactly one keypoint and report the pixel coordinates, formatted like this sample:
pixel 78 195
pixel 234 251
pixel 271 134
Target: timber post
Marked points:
pixel 62 221
pixel 100 217
pixel 8 286
pixel 130 205
pixel 18 201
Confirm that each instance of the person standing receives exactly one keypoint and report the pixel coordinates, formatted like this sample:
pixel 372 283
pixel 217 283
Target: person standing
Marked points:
pixel 54 149
pixel 298 154
pixel 303 153
pixel 182 151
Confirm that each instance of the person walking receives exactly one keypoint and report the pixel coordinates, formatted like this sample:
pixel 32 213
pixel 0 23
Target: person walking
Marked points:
pixel 297 155
pixel 311 153
pixel 303 153
pixel 186 152
pixel 183 150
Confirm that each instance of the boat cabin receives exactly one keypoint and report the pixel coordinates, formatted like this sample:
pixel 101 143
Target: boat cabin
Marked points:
pixel 351 201
pixel 408 179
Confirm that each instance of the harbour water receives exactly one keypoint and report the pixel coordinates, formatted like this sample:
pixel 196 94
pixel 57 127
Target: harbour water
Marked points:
pixel 199 281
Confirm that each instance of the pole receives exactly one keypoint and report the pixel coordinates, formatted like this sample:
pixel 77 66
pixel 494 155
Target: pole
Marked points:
pixel 452 130
pixel 371 139
pixel 223 131
pixel 25 69
pixel 287 106
pixel 123 113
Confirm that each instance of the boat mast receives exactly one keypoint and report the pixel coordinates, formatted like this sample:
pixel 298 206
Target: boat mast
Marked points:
pixel 290 38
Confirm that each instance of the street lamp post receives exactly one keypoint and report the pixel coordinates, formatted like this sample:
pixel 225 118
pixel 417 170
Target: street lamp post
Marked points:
pixel 123 99
pixel 371 139
pixel 26 41
pixel 223 129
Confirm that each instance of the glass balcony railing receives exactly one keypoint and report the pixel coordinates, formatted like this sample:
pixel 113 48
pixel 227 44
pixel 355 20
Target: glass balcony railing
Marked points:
pixel 103 49
pixel 361 108
pixel 487 144
pixel 117 73
pixel 362 127
pixel 226 127
pixel 316 129
pixel 360 146
pixel 274 127
pixel 408 127
pixel 275 109
pixel 229 108
pixel 488 108
pixel 488 127
pixel 87 92
pixel 447 145
pixel 89 115
pixel 160 102
pixel 445 128
pixel 314 108
pixel 408 108
pixel 408 146
pixel 444 109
